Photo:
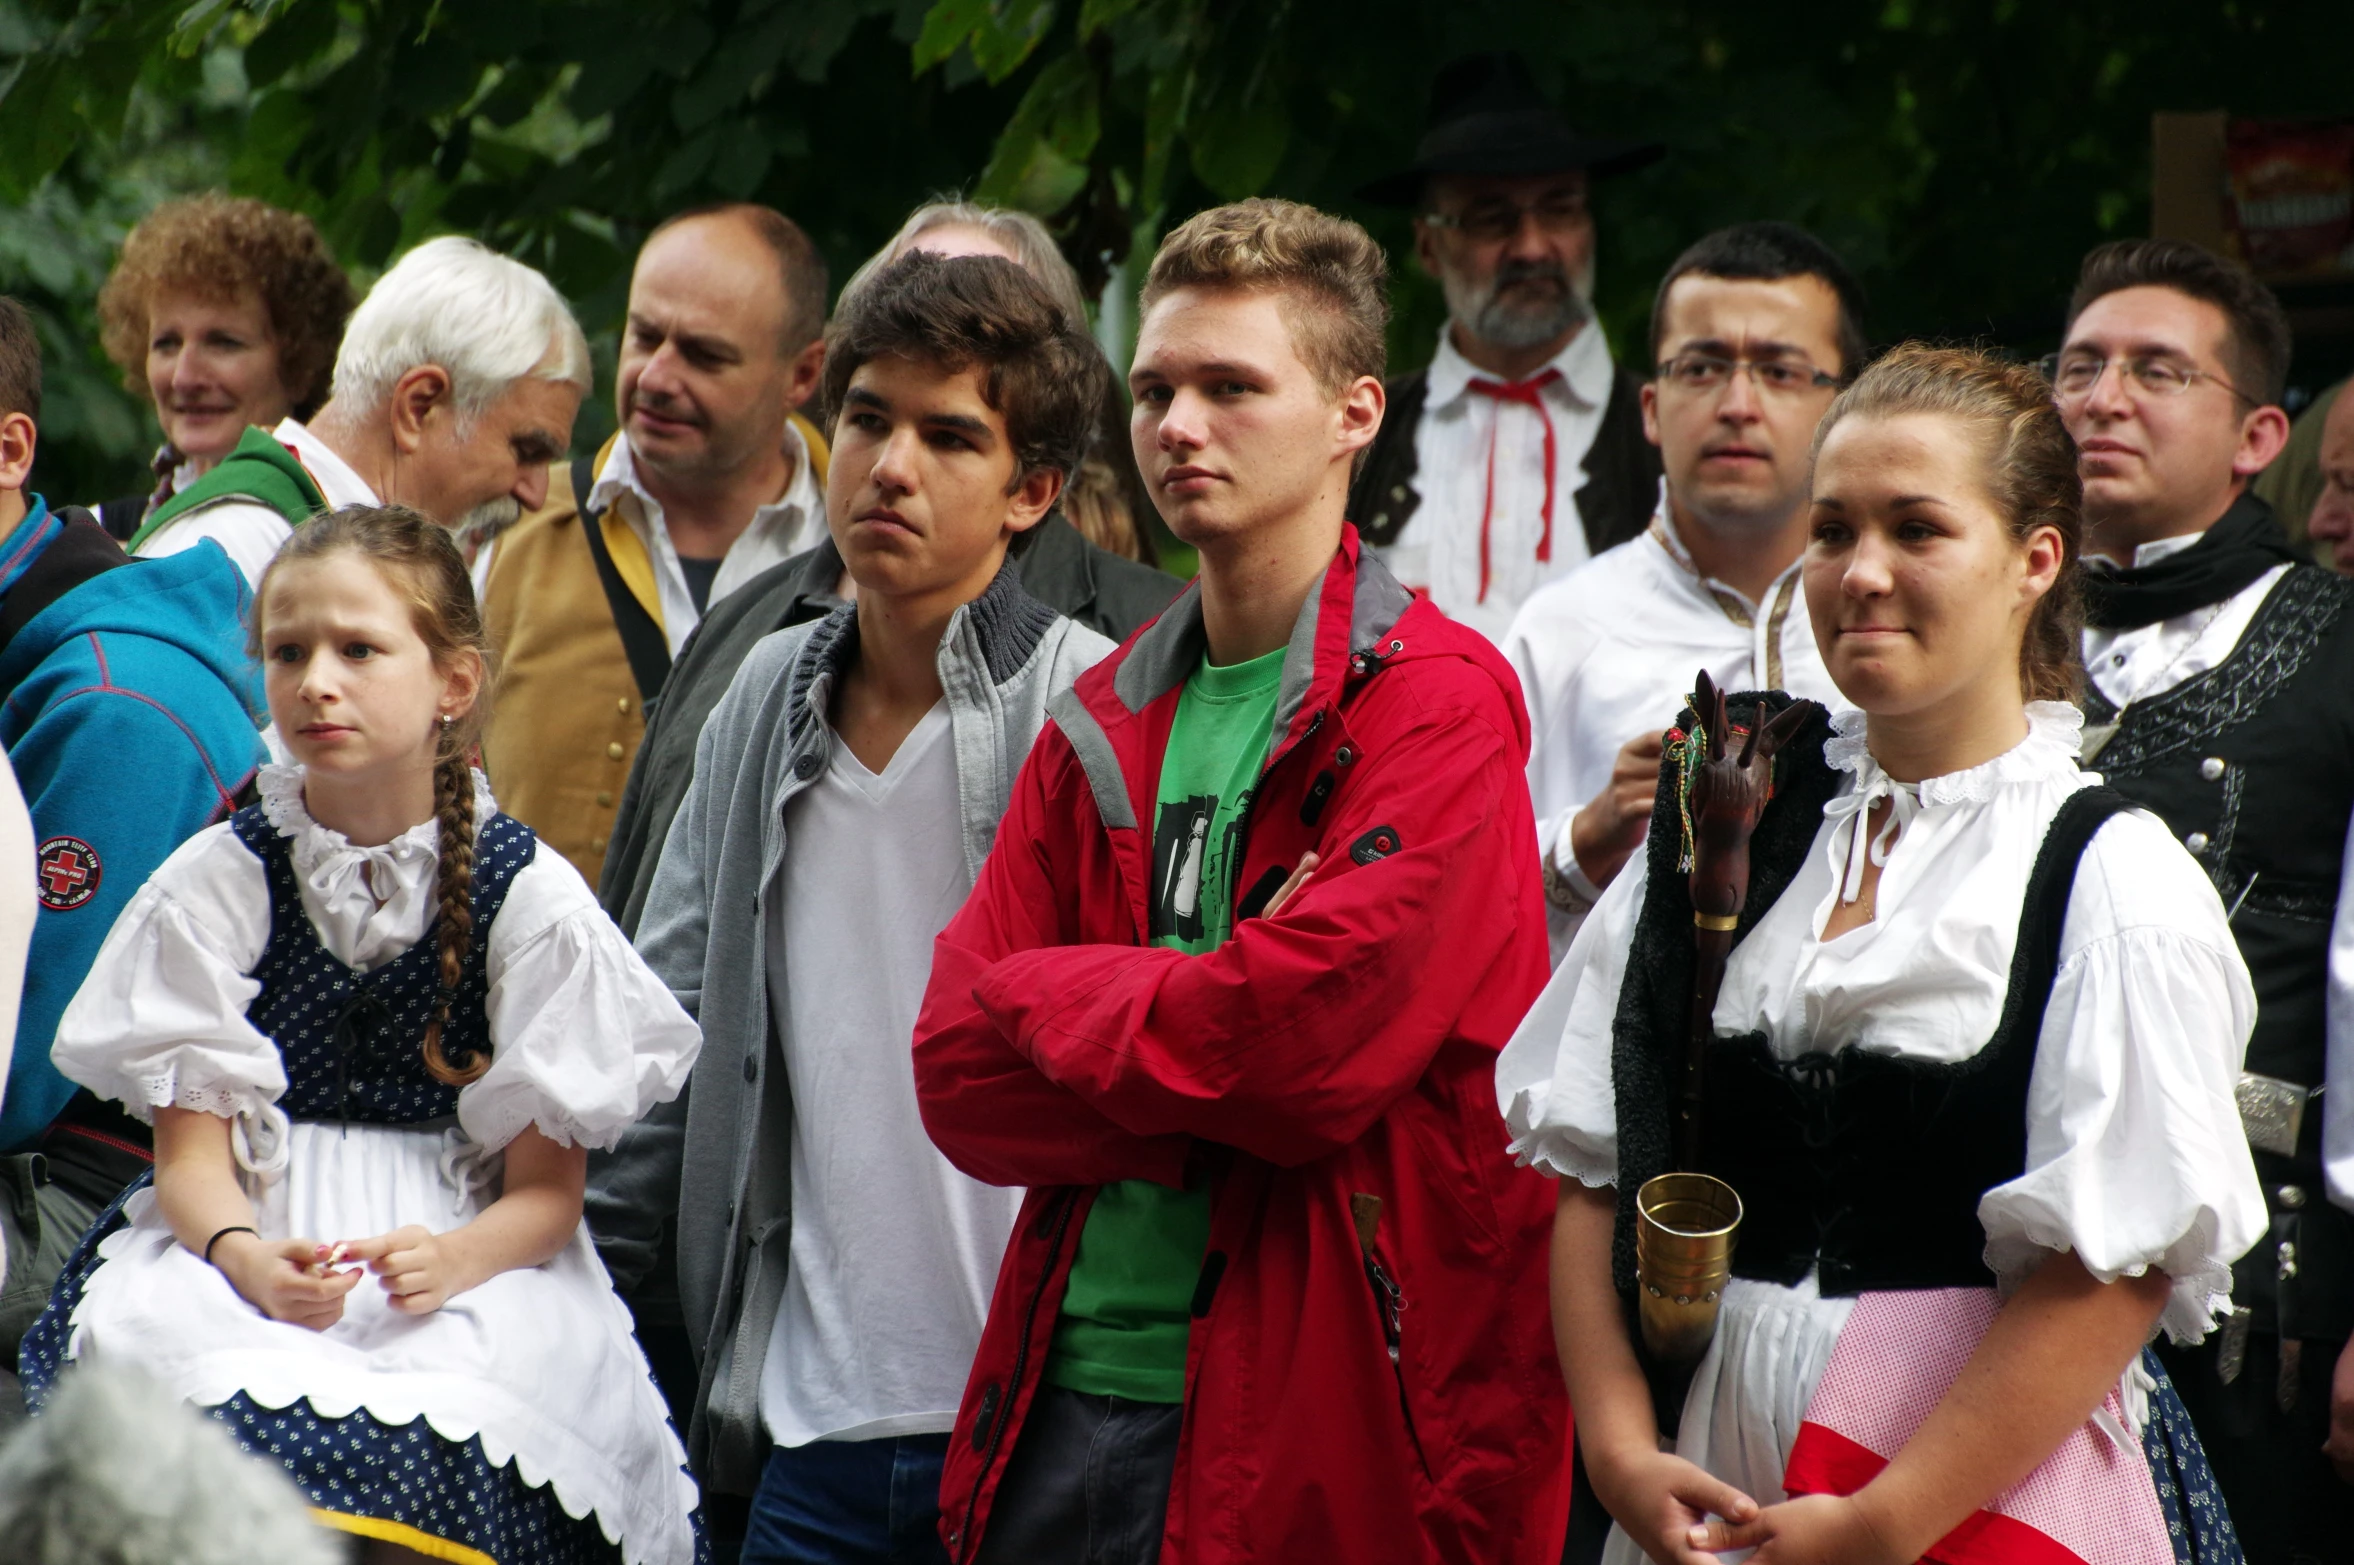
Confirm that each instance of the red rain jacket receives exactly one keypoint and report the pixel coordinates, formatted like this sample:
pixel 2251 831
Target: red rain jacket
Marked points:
pixel 1371 1374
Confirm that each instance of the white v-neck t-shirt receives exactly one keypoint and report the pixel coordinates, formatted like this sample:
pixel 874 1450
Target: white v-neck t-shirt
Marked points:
pixel 894 1252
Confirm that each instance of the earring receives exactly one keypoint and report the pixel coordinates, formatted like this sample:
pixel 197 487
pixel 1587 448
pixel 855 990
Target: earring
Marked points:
pixel 446 720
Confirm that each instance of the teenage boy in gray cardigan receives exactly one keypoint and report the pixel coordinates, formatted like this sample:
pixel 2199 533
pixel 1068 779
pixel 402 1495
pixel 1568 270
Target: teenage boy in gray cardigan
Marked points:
pixel 835 1269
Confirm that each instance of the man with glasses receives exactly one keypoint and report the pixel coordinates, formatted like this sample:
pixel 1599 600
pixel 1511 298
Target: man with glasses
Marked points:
pixel 1519 453
pixel 2220 671
pixel 1753 329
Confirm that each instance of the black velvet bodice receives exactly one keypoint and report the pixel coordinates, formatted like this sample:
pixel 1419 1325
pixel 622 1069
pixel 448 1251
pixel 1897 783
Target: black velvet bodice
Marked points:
pixel 351 1041
pixel 1866 1167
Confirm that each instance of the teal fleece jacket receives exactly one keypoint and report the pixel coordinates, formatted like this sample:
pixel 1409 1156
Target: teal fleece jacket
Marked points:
pixel 132 716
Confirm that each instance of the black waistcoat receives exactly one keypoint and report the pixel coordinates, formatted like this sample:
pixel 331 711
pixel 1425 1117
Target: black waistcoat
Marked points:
pixel 1865 1167
pixel 1869 1167
pixel 2252 766
pixel 1614 503
pixel 352 1042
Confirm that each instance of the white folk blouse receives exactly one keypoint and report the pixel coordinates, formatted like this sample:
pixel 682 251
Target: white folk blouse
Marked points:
pixel 585 1037
pixel 537 1362
pixel 2135 1155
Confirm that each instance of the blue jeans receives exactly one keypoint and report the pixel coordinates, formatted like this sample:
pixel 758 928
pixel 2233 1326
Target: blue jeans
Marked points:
pixel 849 1502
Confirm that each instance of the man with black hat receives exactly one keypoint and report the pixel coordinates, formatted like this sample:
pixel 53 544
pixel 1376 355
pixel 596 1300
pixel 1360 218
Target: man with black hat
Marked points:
pixel 1519 453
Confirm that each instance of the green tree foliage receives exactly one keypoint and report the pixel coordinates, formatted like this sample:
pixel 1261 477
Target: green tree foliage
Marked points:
pixel 1963 153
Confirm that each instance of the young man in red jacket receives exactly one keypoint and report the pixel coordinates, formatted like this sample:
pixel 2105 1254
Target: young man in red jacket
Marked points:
pixel 1228 997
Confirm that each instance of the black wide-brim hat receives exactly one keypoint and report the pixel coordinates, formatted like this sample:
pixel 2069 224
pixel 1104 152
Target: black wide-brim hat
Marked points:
pixel 1487 117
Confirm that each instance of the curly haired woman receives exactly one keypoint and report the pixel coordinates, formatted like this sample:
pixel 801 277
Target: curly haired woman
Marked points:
pixel 225 313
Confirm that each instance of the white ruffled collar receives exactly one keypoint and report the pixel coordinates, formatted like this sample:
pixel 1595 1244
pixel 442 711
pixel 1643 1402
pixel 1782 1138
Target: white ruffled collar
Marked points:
pixel 317 847
pixel 2055 734
pixel 2055 738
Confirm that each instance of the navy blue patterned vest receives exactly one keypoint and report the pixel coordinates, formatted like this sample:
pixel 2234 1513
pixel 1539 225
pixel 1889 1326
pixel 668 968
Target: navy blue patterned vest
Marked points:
pixel 353 1042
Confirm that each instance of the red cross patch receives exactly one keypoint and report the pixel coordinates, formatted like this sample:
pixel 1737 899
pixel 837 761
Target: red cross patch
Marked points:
pixel 67 873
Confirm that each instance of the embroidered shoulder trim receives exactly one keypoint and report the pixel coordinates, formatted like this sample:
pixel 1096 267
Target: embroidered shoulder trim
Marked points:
pixel 2288 630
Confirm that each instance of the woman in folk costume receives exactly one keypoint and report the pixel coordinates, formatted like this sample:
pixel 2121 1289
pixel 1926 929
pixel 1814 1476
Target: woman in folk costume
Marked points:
pixel 377 1033
pixel 1970 1067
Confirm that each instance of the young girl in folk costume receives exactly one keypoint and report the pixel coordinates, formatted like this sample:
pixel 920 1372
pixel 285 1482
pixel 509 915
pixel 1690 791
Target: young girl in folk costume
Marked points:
pixel 378 1032
pixel 1972 1071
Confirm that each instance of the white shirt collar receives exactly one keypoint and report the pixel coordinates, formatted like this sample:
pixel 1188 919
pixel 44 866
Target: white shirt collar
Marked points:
pixel 1584 363
pixel 2150 553
pixel 338 484
pixel 1671 543
pixel 2054 739
pixel 795 506
pixel 777 531
pixel 370 904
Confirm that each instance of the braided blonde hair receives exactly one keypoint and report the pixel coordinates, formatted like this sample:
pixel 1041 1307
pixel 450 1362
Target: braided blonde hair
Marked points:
pixel 422 564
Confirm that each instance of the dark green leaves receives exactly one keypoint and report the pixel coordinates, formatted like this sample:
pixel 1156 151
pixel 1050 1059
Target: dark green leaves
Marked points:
pixel 1041 156
pixel 999 33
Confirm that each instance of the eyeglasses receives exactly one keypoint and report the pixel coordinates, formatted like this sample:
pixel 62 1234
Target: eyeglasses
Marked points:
pixel 1703 372
pixel 2074 375
pixel 1490 221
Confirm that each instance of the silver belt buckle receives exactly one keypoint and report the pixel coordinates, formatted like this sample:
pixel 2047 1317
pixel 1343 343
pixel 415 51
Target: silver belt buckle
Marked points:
pixel 2272 1112
pixel 2232 1353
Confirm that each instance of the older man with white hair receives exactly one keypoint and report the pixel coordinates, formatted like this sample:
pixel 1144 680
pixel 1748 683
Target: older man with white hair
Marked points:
pixel 456 386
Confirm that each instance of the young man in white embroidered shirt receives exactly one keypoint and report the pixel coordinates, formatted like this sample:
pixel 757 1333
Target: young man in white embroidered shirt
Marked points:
pixel 2221 672
pixel 456 384
pixel 1753 329
pixel 847 789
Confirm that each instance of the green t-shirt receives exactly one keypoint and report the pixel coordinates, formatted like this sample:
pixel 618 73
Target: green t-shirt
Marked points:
pixel 1129 1306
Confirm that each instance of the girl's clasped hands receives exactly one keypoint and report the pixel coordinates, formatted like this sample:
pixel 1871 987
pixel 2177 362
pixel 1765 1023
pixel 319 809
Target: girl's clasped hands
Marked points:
pixel 304 1283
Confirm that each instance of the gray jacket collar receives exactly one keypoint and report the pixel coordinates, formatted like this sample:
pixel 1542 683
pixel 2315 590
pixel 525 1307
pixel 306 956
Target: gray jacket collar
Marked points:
pixel 1167 651
pixel 993 637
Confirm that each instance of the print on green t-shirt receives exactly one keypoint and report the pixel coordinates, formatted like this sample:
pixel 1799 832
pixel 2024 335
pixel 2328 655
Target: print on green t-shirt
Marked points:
pixel 1128 1309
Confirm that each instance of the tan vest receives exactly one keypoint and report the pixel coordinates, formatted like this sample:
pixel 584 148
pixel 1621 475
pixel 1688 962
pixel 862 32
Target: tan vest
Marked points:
pixel 566 720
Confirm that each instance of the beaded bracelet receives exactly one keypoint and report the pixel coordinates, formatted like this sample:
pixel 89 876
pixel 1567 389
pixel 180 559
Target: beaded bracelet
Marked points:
pixel 233 1228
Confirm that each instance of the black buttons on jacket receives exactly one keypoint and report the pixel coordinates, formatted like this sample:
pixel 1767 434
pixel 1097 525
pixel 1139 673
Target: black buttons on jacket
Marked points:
pixel 805 765
pixel 751 1067
pixel 1319 794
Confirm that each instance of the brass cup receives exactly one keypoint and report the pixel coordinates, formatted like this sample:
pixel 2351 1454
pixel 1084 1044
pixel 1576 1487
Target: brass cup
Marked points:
pixel 1685 1225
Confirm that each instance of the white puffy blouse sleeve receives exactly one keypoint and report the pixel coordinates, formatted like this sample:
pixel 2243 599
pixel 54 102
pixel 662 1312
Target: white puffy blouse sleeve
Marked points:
pixel 584 1037
pixel 2135 1155
pixel 1553 1080
pixel 159 1022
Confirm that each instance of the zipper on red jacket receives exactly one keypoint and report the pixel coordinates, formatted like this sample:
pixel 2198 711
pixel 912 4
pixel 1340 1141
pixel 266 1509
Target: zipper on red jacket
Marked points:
pixel 1389 1301
pixel 1060 1220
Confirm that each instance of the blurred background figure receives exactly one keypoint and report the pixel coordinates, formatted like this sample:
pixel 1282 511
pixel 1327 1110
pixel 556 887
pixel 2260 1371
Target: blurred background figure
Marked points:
pixel 224 314
pixel 2311 483
pixel 18 908
pixel 115 1472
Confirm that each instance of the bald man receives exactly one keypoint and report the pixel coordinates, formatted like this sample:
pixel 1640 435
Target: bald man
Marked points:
pixel 712 479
